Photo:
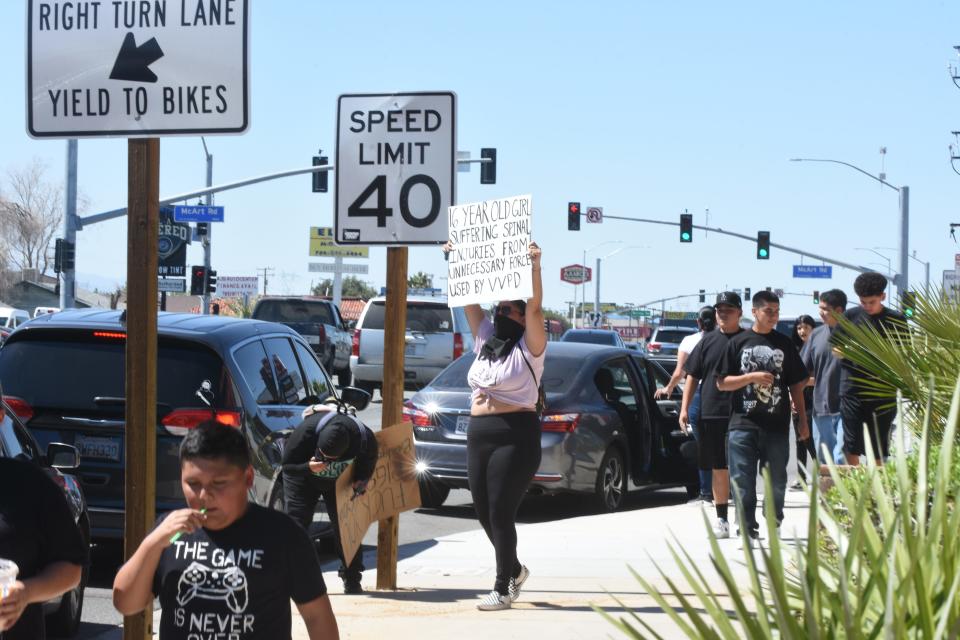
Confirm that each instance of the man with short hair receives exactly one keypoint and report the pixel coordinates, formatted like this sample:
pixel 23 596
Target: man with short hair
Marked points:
pixel 860 407
pixel 763 370
pixel 714 403
pixel 224 567
pixel 824 367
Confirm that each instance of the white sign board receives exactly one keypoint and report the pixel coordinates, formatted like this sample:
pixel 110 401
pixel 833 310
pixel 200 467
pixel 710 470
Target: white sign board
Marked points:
pixel 237 286
pixel 137 68
pixel 396 168
pixel 951 285
pixel 333 267
pixel 489 260
pixel 171 285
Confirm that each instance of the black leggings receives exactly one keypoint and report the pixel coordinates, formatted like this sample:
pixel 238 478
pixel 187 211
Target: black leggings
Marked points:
pixel 503 454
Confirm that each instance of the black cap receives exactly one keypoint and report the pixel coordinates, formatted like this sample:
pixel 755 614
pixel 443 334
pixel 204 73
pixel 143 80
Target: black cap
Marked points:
pixel 730 298
pixel 333 439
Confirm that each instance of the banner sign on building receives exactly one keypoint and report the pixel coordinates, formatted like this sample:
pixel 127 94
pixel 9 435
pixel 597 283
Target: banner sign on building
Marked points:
pixel 172 246
pixel 489 260
pixel 323 246
pixel 237 286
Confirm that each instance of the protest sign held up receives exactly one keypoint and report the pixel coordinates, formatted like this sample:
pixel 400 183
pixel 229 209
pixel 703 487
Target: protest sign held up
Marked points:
pixel 489 260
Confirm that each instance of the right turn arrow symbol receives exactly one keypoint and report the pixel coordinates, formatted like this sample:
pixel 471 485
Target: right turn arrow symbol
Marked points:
pixel 133 61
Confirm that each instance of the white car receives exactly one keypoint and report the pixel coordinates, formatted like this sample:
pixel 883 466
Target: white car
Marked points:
pixel 11 318
pixel 39 311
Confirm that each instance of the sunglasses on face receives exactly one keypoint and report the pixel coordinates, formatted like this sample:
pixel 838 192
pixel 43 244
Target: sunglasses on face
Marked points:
pixel 505 310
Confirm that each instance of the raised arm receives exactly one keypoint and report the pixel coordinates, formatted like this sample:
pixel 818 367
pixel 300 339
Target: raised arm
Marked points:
pixel 535 333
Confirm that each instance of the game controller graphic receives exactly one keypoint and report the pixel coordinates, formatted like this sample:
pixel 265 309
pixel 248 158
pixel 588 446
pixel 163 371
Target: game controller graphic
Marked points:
pixel 221 583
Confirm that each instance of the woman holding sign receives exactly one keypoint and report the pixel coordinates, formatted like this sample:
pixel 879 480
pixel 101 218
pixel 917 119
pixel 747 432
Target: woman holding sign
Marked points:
pixel 503 439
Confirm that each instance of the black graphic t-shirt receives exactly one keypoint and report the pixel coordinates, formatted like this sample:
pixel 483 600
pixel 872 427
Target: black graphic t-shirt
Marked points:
pixel 237 583
pixel 702 364
pixel 888 323
pixel 762 406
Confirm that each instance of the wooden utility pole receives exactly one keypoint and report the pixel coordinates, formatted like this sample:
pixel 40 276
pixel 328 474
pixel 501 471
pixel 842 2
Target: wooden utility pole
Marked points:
pixel 143 204
pixel 395 331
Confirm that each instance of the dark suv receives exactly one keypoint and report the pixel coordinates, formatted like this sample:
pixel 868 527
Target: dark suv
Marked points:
pixel 64 377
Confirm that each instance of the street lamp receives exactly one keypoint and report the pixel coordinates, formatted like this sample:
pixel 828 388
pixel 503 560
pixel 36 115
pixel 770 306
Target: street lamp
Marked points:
pixel 927 268
pixel 902 279
pixel 597 281
pixel 583 285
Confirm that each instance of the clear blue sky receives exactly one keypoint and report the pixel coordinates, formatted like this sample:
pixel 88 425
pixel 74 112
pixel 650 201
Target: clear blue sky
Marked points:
pixel 644 108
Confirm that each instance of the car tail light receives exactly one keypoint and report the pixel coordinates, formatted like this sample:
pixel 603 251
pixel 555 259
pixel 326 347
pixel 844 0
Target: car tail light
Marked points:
pixel 322 332
pixel 355 343
pixel 110 335
pixel 20 407
pixel 179 421
pixel 457 345
pixel 560 422
pixel 653 347
pixel 417 417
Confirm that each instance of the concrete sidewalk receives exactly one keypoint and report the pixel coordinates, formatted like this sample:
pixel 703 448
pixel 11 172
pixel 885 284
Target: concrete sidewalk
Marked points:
pixel 573 563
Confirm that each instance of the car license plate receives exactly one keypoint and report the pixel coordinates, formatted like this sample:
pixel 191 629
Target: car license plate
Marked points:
pixel 99 448
pixel 462 423
pixel 410 375
pixel 313 339
pixel 413 350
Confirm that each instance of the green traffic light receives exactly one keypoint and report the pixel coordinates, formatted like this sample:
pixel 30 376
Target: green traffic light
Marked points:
pixel 763 253
pixel 685 236
pixel 908 312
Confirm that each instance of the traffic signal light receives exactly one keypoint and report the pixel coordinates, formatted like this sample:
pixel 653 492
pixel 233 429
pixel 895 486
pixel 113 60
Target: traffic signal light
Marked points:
pixel 212 281
pixel 573 216
pixel 816 297
pixel 746 294
pixel 703 296
pixel 686 228
pixel 488 170
pixel 320 181
pixel 908 302
pixel 763 245
pixel 68 256
pixel 58 256
pixel 202 229
pixel 198 275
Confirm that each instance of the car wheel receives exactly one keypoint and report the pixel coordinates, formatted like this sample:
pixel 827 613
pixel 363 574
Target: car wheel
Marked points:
pixel 432 492
pixel 65 621
pixel 611 480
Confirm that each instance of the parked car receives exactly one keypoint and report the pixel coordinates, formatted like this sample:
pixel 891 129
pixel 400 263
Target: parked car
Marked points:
pixel 11 318
pixel 436 335
pixel 59 461
pixel 606 337
pixel 64 374
pixel 594 441
pixel 319 322
pixel 39 311
pixel 666 339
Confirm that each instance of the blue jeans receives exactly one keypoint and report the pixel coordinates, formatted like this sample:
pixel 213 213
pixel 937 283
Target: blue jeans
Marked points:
pixel 828 430
pixel 706 477
pixel 748 451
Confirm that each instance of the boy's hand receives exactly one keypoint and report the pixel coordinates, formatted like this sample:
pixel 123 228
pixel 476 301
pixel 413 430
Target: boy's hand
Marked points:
pixel 180 521
pixel 12 605
pixel 316 466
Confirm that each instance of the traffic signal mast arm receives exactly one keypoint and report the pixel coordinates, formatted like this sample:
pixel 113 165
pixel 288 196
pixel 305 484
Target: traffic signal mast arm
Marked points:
pixel 751 239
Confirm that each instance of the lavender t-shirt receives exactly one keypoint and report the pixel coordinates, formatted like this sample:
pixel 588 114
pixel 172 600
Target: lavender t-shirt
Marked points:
pixel 508 380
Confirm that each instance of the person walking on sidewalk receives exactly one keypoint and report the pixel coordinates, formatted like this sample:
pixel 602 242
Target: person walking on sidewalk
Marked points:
pixel 824 367
pixel 859 406
pixel 503 436
pixel 321 448
pixel 223 567
pixel 706 322
pixel 701 367
pixel 803 326
pixel 764 371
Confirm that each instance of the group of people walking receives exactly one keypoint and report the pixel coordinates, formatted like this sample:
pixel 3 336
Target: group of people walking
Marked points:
pixel 744 387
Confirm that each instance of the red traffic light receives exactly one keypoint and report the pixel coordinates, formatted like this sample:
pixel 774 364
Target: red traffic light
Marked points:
pixel 574 207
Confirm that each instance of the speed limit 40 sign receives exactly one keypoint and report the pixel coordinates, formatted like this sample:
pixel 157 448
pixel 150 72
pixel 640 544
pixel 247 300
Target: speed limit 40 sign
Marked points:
pixel 396 166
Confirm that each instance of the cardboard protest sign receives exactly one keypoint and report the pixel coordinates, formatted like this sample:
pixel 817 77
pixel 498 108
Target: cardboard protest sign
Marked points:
pixel 393 488
pixel 489 260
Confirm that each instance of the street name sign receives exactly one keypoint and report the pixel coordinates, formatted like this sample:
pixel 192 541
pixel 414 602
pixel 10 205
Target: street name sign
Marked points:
pixel 323 246
pixel 812 271
pixel 137 69
pixel 199 213
pixel 575 274
pixel 639 313
pixel 396 168
pixel 171 285
pixel 332 267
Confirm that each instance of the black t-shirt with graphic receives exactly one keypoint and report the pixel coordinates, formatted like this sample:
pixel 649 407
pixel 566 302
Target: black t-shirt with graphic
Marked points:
pixel 888 323
pixel 36 530
pixel 702 364
pixel 762 406
pixel 237 583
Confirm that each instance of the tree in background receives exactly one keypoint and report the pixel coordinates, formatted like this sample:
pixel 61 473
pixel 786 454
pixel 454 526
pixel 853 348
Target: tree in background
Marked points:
pixel 550 314
pixel 352 287
pixel 420 280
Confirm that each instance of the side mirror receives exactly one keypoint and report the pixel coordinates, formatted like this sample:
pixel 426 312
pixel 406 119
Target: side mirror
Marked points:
pixel 63 457
pixel 356 398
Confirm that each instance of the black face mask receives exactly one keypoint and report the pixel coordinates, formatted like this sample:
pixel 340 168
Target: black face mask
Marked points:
pixel 506 328
pixel 506 334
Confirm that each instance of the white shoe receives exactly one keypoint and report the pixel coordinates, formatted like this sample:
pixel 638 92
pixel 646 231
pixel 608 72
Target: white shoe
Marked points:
pixel 493 601
pixel 516 583
pixel 722 530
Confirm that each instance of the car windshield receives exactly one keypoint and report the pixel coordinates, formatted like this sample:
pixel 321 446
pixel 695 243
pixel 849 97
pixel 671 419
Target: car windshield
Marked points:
pixel 428 317
pixel 590 338
pixel 69 370
pixel 671 335
pixel 558 375
pixel 294 311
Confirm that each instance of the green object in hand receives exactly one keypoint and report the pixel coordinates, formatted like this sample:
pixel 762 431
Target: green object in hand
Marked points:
pixel 177 535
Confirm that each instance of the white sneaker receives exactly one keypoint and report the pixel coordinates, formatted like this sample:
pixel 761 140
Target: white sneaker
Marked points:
pixel 722 530
pixel 493 601
pixel 517 583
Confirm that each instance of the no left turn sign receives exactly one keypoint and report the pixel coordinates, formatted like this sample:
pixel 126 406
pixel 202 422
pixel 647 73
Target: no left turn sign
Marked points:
pixel 396 168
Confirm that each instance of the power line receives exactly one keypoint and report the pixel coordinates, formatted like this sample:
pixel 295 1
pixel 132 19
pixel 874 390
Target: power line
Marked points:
pixel 267 271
